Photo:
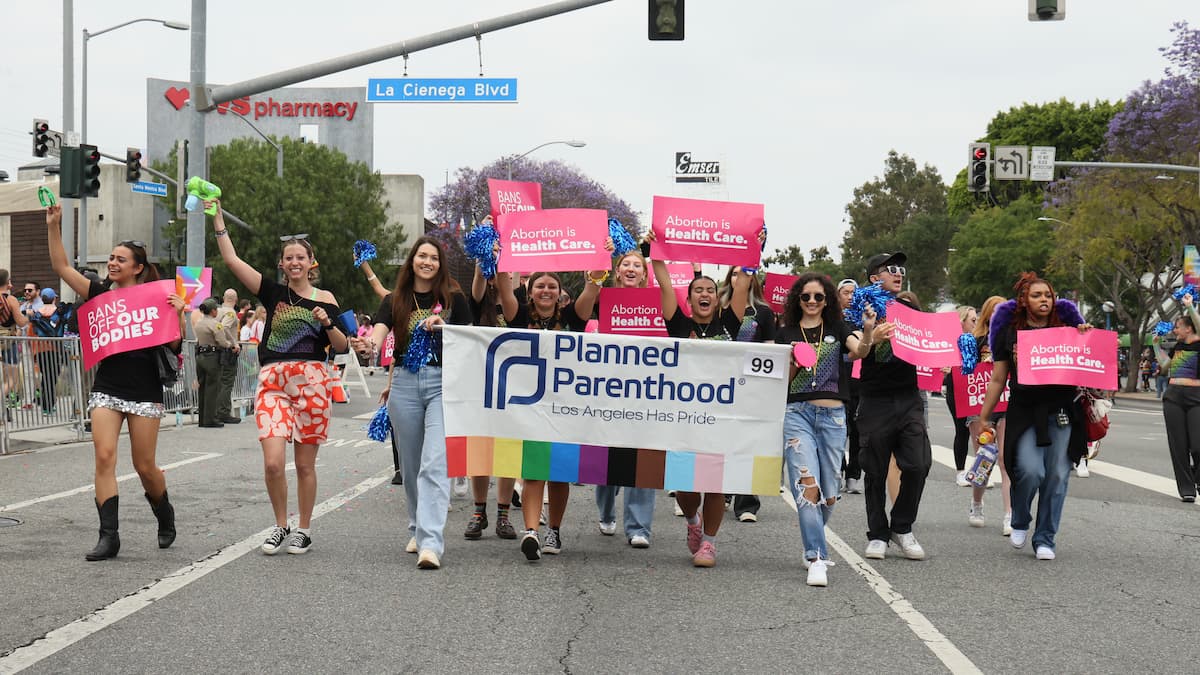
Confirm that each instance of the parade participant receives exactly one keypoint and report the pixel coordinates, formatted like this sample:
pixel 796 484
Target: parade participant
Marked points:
pixel 293 399
pixel 1046 425
pixel 628 272
pixel 814 426
pixel 543 312
pixel 211 340
pixel 967 318
pixel 707 322
pixel 891 424
pixel 850 466
pixel 127 389
pixel 758 325
pixel 1181 402
pixel 377 287
pixel 425 297
pixel 12 322
pixel 975 514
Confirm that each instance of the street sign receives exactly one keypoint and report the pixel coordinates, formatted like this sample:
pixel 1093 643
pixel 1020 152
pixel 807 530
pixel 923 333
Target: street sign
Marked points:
pixel 1012 162
pixel 148 188
pixel 442 90
pixel 1041 164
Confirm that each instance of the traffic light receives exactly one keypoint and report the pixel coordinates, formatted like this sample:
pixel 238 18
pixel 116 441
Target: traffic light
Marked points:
pixel 1047 10
pixel 665 18
pixel 41 138
pixel 977 167
pixel 89 171
pixel 133 165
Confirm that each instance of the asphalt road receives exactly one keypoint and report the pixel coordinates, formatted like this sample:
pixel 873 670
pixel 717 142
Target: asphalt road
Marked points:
pixel 1117 599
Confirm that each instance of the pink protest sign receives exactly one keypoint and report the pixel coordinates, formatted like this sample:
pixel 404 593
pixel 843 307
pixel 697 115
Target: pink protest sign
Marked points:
pixel 385 354
pixel 632 311
pixel 1066 356
pixel 193 284
pixel 698 230
pixel 681 275
pixel 592 326
pixel 509 195
pixel 929 378
pixel 553 240
pixel 969 391
pixel 923 338
pixel 776 287
pixel 125 319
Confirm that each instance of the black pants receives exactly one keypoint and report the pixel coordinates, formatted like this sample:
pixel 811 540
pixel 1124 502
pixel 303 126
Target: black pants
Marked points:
pixel 208 375
pixel 49 363
pixel 887 426
pixel 224 402
pixel 961 434
pixel 1181 413
pixel 850 463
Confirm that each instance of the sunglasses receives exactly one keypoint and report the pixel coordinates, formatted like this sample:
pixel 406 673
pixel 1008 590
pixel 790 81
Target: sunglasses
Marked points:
pixel 132 242
pixel 812 297
pixel 293 237
pixel 898 270
pixel 847 282
pixel 30 290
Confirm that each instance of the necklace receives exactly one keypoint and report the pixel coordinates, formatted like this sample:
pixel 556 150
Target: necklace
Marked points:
pixel 298 296
pixel 545 324
pixel 702 330
pixel 816 346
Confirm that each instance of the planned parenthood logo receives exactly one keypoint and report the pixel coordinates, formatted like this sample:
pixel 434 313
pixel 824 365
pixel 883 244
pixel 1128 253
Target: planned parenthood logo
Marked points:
pixel 495 385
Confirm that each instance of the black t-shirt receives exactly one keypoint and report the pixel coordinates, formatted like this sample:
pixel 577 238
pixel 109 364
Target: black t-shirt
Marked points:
pixel 458 313
pixel 291 332
pixel 724 326
pixel 1027 394
pixel 758 325
pixel 883 374
pixel 568 319
pixel 133 375
pixel 477 312
pixel 827 378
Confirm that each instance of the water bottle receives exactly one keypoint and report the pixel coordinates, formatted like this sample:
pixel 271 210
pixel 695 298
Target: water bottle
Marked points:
pixel 985 459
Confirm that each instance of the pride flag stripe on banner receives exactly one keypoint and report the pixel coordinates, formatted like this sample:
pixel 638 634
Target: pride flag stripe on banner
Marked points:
pixel 598 465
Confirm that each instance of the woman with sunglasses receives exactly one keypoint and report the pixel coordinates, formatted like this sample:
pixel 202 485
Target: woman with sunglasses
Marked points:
pixel 814 426
pixel 293 399
pixel 127 389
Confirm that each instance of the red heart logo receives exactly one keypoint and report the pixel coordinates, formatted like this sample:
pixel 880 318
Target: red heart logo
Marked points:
pixel 178 97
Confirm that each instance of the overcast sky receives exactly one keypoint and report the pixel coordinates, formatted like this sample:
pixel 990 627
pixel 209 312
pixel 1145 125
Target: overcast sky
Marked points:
pixel 800 99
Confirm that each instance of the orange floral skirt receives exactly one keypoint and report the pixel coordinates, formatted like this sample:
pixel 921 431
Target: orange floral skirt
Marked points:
pixel 293 401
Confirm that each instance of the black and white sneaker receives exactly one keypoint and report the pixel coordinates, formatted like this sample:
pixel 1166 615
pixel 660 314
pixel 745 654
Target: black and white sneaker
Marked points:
pixel 553 544
pixel 530 546
pixel 275 539
pixel 299 543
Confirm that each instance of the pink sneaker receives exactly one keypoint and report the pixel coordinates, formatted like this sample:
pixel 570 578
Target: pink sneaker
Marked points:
pixel 695 534
pixel 706 556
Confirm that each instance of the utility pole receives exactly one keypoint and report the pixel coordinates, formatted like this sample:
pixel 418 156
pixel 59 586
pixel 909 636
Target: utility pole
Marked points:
pixel 196 142
pixel 68 121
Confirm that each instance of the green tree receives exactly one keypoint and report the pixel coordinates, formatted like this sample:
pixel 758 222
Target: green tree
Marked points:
pixel 994 246
pixel 790 258
pixel 925 238
pixel 820 261
pixel 332 200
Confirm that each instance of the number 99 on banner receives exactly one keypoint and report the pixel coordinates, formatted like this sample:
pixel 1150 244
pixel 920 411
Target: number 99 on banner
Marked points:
pixel 764 365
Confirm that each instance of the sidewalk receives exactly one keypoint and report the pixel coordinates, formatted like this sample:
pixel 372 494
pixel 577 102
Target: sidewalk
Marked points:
pixel 1140 398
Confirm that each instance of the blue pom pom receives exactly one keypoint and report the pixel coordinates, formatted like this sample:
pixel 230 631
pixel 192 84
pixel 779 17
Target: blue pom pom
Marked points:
pixel 867 296
pixel 420 349
pixel 622 241
pixel 968 348
pixel 479 244
pixel 380 425
pixel 363 251
pixel 1187 289
pixel 1162 328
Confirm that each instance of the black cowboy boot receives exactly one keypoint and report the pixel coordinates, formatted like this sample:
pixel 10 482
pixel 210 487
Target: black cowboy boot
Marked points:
pixel 109 542
pixel 166 519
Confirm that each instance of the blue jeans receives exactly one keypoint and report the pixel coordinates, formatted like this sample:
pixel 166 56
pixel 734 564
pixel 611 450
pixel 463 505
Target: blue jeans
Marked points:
pixel 1044 472
pixel 639 508
pixel 813 438
pixel 415 409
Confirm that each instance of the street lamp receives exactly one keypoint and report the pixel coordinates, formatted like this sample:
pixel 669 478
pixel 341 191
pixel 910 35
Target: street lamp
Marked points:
pixel 83 221
pixel 573 144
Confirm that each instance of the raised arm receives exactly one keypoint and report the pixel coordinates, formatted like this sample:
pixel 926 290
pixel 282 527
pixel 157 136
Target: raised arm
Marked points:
pixel 741 292
pixel 860 342
pixel 250 277
pixel 508 299
pixel 373 280
pixel 670 304
pixel 58 255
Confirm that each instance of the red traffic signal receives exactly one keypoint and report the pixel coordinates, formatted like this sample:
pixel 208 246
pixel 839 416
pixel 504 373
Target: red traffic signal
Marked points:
pixel 89 175
pixel 980 153
pixel 41 138
pixel 133 165
pixel 978 179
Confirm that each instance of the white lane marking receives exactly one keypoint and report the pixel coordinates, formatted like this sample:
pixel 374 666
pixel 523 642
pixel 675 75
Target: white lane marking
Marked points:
pixel 950 656
pixel 61 638
pixel 1136 412
pixel 91 488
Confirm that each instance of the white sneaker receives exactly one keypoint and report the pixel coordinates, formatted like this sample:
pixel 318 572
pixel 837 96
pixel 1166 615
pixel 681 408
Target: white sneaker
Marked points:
pixel 1044 553
pixel 1006 526
pixel 909 546
pixel 428 560
pixel 460 487
pixel 748 517
pixel 411 547
pixel 816 573
pixel 876 548
pixel 961 479
pixel 854 486
pixel 608 529
pixel 1081 470
pixel 639 541
pixel 975 515
pixel 1017 538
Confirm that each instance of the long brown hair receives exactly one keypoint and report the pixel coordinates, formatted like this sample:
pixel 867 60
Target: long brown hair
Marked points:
pixel 1021 315
pixel 403 302
pixel 149 271
pixel 533 314
pixel 985 315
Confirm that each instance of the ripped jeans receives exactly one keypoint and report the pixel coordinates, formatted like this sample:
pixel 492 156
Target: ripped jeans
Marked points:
pixel 813 439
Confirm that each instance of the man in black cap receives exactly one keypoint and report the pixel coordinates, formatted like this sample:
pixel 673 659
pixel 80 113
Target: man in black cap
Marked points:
pixel 891 422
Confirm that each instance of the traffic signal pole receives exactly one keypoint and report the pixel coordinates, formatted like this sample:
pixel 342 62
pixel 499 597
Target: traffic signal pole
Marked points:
pixel 68 121
pixel 196 167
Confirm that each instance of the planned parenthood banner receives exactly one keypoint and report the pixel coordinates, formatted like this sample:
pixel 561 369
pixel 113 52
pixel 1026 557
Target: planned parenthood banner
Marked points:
pixel 1066 356
pixel 699 230
pixel 698 415
pixel 553 240
pixel 125 319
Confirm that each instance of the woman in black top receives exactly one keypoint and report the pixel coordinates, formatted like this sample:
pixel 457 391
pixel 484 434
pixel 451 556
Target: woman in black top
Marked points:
pixel 127 389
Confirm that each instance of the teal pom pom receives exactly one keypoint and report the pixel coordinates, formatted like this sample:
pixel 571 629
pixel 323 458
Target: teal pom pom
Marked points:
pixel 480 244
pixel 363 251
pixel 420 349
pixel 1187 289
pixel 622 241
pixel 380 425
pixel 968 348
pixel 1162 328
pixel 867 296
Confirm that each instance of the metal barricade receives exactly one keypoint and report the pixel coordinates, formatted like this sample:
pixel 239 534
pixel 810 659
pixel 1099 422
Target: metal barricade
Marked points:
pixel 42 385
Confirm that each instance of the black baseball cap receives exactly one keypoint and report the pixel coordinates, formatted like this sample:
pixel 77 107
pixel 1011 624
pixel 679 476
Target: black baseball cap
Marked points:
pixel 883 260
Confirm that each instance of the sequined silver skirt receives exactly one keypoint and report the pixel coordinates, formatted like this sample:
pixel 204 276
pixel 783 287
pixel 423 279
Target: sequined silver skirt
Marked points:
pixel 139 408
